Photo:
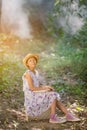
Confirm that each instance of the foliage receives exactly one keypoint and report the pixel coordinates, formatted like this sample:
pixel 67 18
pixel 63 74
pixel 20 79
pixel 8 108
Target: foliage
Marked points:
pixel 10 68
pixel 57 60
pixel 63 16
pixel 79 39
pixel 70 50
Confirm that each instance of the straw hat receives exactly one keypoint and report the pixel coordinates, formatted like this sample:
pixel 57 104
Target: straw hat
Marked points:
pixel 28 56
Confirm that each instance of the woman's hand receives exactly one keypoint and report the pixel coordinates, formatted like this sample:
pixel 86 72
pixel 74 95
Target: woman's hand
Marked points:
pixel 49 88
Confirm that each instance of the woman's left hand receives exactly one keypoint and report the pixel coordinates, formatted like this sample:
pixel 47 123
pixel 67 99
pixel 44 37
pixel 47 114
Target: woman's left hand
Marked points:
pixel 50 88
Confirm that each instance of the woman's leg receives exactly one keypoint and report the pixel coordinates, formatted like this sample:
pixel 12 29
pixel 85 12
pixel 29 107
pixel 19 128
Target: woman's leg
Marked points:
pixel 53 107
pixel 62 107
pixel 53 116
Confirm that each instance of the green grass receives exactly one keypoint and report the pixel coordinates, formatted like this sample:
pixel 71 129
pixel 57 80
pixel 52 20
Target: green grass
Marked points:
pixel 56 59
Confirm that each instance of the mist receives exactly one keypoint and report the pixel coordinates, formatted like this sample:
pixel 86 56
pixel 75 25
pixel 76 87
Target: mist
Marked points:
pixel 14 20
pixel 17 16
pixel 23 17
pixel 73 16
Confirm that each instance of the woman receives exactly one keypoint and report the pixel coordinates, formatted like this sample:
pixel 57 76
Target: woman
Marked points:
pixel 38 98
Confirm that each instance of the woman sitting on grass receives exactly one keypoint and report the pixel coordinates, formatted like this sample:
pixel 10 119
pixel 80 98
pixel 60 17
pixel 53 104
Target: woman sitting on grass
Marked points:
pixel 39 99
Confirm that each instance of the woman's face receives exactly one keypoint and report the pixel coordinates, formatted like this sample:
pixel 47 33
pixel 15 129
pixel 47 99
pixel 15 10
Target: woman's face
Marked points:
pixel 31 63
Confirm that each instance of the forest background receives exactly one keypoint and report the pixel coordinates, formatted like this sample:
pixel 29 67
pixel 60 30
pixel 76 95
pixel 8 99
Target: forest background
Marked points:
pixel 62 46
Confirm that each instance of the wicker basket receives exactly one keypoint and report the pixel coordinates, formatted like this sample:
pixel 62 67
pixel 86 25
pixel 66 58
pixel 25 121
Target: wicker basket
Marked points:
pixel 43 116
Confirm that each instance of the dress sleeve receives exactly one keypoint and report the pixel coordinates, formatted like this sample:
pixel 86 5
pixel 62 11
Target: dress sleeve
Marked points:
pixel 25 83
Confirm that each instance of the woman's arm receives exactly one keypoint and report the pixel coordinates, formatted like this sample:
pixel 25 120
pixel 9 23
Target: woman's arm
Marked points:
pixel 32 87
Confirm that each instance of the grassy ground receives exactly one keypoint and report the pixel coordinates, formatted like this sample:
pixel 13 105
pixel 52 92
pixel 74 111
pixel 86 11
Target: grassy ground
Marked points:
pixel 64 64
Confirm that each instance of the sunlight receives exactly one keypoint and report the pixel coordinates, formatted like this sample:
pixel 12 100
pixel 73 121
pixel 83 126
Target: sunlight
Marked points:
pixel 6 38
pixel 19 114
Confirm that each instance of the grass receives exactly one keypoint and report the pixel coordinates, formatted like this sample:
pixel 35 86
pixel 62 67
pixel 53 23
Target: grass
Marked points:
pixel 57 60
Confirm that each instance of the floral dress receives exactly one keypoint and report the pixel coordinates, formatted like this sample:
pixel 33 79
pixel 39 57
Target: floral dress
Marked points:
pixel 37 102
